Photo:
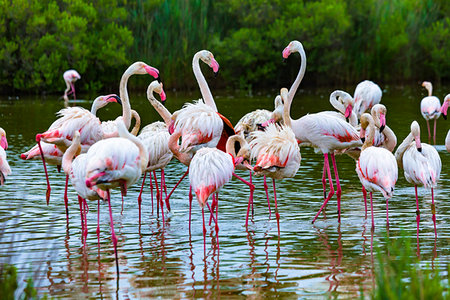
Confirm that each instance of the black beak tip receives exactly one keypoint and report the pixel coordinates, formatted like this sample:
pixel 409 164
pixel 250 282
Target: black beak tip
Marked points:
pixel 284 60
pixel 363 139
pixel 419 149
pixel 346 119
pixel 260 127
pixel 118 99
pixel 444 116
pixel 216 73
pixel 382 128
pixel 159 79
pixel 163 103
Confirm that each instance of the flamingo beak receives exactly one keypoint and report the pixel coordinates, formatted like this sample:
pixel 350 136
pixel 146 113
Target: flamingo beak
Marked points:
pixel 238 160
pixel 348 112
pixel 444 109
pixel 362 135
pixel 91 181
pixel 418 144
pixel 114 98
pixel 382 122
pixel 286 53
pixel 153 72
pixel 215 66
pixel 4 142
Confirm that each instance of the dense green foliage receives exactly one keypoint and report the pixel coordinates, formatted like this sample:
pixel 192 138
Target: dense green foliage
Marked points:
pixel 9 285
pixel 345 41
pixel 400 276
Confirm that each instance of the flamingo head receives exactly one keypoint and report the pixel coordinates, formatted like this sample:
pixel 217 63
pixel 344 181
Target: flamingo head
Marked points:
pixel 444 107
pixel 366 120
pixel 3 141
pixel 378 113
pixel 208 58
pixel 428 86
pixel 159 89
pixel 95 169
pixel 415 130
pixel 292 47
pixel 112 98
pixel 142 68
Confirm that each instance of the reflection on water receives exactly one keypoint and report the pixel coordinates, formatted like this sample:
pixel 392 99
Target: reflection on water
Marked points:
pixel 324 259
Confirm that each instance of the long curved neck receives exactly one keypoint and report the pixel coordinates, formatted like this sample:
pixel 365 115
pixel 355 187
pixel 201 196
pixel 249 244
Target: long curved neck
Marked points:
pixel 376 118
pixel 94 107
pixel 336 103
pixel 184 158
pixel 161 109
pixel 390 138
pixel 126 107
pixel 230 146
pixel 204 88
pixel 430 90
pixel 369 139
pixel 300 74
pixel 143 154
pixel 137 125
pixel 71 152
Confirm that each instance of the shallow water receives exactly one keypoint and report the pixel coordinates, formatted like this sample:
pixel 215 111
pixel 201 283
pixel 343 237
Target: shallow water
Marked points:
pixel 326 259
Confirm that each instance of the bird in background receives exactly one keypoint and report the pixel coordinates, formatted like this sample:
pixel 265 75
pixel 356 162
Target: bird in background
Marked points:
pixel 422 166
pixel 367 94
pixel 376 168
pixel 430 108
pixel 5 170
pixel 70 76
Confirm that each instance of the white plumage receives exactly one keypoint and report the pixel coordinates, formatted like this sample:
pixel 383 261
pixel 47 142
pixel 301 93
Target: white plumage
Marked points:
pixel 430 108
pixel 367 94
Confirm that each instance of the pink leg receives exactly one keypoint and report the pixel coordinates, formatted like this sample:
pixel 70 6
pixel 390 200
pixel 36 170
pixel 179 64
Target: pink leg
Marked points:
pixel 86 209
pixel 324 181
pixel 66 199
pixel 163 183
pixel 365 199
pixel 38 140
pixel 434 132
pixel 179 181
pixel 73 90
pixel 338 187
pixel 140 197
pixel 387 213
pixel 325 155
pixel 151 187
pixel 204 233
pixel 266 189
pixel 113 234
pixel 433 211
pixel 429 132
pixel 371 209
pixel 213 206
pixel 190 207
pixel 80 202
pixel 250 199
pixel 98 219
pixel 417 215
pixel 277 215
pixel 251 181
pixel 159 197
pixel 157 194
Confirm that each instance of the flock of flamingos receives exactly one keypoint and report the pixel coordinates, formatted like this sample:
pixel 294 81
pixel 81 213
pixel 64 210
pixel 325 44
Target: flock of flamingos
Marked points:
pixel 99 156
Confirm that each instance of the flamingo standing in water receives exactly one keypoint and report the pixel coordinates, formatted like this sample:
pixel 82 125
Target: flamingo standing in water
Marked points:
pixel 384 136
pixel 430 107
pixel 70 76
pixel 276 151
pixel 447 141
pixel 444 109
pixel 376 168
pixel 210 170
pixel 367 94
pixel 421 164
pixel 5 170
pixel 323 132
pixel 116 162
pixel 76 118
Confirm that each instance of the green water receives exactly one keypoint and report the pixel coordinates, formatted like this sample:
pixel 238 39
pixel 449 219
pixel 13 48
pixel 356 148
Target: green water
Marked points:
pixel 326 259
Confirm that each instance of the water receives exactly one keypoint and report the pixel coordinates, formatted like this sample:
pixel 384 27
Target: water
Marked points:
pixel 326 259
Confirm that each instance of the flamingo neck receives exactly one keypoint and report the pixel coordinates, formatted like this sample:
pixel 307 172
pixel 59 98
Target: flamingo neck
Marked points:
pixel 369 139
pixel 143 153
pixel 126 107
pixel 430 90
pixel 69 154
pixel 300 74
pixel 184 158
pixel 161 109
pixel 137 125
pixel 204 88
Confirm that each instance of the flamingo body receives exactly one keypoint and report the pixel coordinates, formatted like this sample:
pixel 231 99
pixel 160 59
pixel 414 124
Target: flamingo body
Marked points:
pixel 430 108
pixel 367 94
pixel 447 141
pixel 155 138
pixel 5 170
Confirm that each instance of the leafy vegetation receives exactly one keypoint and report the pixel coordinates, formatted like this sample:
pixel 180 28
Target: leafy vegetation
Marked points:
pixel 9 285
pixel 346 41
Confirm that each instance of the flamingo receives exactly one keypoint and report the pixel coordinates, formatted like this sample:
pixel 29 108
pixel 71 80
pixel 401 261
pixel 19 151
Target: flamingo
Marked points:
pixel 376 168
pixel 76 118
pixel 367 94
pixel 70 76
pixel 75 168
pixel 384 136
pixel 211 169
pixel 116 162
pixel 276 151
pixel 430 107
pixel 447 141
pixel 155 138
pixel 421 164
pixel 323 132
pixel 343 103
pixel 444 109
pixel 5 170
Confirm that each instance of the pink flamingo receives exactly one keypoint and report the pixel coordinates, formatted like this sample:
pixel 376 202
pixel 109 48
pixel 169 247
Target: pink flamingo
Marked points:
pixel 323 132
pixel 5 170
pixel 276 151
pixel 376 168
pixel 74 165
pixel 421 164
pixel 367 94
pixel 210 170
pixel 116 162
pixel 444 109
pixel 343 103
pixel 447 141
pixel 384 136
pixel 70 76
pixel 430 107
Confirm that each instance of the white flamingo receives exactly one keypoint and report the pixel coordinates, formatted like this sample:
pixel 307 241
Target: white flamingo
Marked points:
pixel 367 94
pixel 430 108
pixel 210 170
pixel 323 132
pixel 447 141
pixel 384 136
pixel 376 168
pixel 116 162
pixel 343 103
pixel 421 164
pixel 70 76
pixel 5 170
pixel 276 151
pixel 444 109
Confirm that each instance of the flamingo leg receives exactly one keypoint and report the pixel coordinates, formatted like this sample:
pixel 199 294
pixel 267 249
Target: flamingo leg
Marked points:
pixel 433 211
pixel 157 194
pixel 66 199
pixel 277 215
pixel 163 183
pixel 113 234
pixel 371 209
pixel 365 199
pixel 211 209
pixel 250 199
pixel 176 185
pixel 190 207
pixel 217 221
pixel 331 193
pixel 159 197
pixel 86 209
pixel 434 132
pixel 140 197
pixel 429 132
pixel 266 189
pixel 324 180
pixel 417 214
pixel 338 187
pixel 251 181
pixel 73 91
pixel 151 187
pixel 387 213
pixel 98 219
pixel 38 140
pixel 204 233
pixel 80 202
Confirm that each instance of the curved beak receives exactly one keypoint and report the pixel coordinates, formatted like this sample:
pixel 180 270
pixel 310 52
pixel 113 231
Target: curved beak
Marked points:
pixel 286 53
pixel 382 122
pixel 444 109
pixel 163 97
pixel 153 72
pixel 115 97
pixel 362 135
pixel 238 160
pixel 215 66
pixel 348 112
pixel 4 142
pixel 418 144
